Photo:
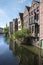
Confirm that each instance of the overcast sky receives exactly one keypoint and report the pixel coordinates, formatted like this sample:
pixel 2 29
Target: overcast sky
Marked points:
pixel 9 9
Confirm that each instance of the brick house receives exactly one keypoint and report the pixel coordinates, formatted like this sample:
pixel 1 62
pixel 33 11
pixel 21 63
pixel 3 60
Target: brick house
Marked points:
pixel 41 22
pixel 31 19
pixel 15 25
pixel 34 20
pixel 11 27
pixel 26 17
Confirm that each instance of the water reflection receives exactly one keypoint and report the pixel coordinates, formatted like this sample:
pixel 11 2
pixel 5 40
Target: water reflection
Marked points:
pixel 6 39
pixel 25 56
pixel 6 55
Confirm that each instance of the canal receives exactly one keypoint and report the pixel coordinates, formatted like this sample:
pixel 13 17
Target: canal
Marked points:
pixel 12 53
pixel 6 55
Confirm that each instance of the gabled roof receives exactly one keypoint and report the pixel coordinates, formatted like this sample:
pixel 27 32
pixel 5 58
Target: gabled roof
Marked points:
pixel 15 19
pixel 35 1
pixel 21 15
pixel 28 8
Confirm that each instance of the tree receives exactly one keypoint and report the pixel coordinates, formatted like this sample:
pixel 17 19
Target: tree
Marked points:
pixel 21 34
pixel 6 30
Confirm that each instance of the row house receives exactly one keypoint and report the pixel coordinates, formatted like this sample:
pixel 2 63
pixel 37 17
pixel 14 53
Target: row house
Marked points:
pixel 41 22
pixel 26 17
pixel 20 21
pixel 13 26
pixel 34 20
pixel 31 19
pixel 16 24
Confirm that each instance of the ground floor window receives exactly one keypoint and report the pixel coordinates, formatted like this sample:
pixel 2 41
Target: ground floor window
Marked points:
pixel 32 29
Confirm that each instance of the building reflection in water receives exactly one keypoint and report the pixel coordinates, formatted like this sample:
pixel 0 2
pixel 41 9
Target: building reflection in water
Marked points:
pixel 25 56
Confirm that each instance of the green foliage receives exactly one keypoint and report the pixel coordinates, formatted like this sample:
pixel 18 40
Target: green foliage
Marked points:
pixel 6 30
pixel 17 35
pixel 11 36
pixel 25 32
pixel 21 34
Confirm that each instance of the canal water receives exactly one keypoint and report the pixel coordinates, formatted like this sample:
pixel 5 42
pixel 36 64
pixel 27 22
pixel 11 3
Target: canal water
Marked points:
pixel 12 53
pixel 6 55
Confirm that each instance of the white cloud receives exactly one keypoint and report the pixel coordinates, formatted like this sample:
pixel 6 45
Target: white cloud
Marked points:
pixel 3 13
pixel 18 9
pixel 22 1
pixel 3 18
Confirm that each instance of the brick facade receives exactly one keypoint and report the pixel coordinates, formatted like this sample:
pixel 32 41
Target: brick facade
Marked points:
pixel 41 19
pixel 31 18
pixel 11 27
pixel 34 19
pixel 15 25
pixel 26 17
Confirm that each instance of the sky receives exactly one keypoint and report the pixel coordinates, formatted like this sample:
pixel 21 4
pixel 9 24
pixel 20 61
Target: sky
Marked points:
pixel 9 10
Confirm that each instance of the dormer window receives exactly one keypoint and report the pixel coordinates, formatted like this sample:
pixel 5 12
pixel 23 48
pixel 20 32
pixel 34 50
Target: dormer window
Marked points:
pixel 32 13
pixel 37 8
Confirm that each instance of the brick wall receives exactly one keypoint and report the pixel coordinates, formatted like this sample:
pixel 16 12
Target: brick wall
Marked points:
pixel 41 19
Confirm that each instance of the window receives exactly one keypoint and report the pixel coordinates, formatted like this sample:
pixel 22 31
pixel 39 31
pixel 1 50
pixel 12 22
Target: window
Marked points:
pixel 29 20
pixel 32 13
pixel 32 20
pixel 37 8
pixel 32 29
pixel 38 29
pixel 37 17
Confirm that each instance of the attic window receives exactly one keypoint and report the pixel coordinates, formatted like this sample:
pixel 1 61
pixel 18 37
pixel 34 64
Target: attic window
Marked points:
pixel 32 13
pixel 37 8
